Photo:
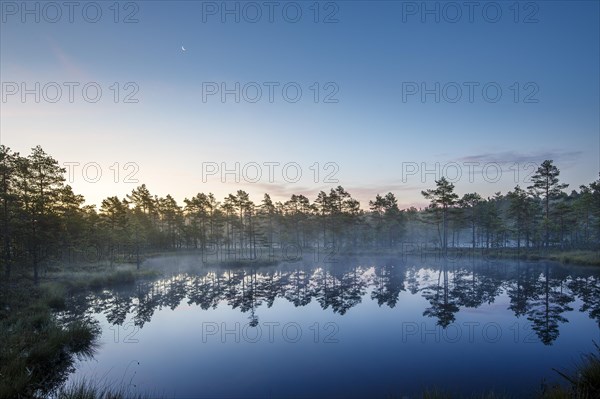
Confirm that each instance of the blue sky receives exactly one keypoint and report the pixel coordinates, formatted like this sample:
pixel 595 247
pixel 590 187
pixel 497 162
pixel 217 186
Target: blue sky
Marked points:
pixel 373 53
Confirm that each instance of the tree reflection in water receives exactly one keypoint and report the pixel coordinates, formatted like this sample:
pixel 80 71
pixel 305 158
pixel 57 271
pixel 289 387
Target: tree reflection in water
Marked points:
pixel 538 291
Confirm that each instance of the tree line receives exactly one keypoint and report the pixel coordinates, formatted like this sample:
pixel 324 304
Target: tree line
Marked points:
pixel 43 221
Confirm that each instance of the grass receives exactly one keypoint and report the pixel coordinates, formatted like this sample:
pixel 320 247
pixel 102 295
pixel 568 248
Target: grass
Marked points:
pixel 436 394
pixel 590 258
pixel 583 383
pixel 84 280
pixel 576 257
pixel 242 263
pixel 86 389
pixel 37 351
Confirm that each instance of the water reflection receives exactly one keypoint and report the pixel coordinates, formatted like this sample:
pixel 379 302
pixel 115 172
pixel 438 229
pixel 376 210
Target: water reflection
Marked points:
pixel 541 292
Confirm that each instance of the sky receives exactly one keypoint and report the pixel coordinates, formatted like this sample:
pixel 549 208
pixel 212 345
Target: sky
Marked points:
pixel 297 97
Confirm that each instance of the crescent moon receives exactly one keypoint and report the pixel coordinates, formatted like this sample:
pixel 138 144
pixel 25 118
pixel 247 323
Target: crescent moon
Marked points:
pixel 183 48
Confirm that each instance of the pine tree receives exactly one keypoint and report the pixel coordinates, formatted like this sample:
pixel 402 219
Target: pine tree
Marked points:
pixel 546 184
pixel 445 197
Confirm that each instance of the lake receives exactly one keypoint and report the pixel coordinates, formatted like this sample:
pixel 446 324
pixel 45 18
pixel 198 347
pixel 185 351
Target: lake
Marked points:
pixel 354 327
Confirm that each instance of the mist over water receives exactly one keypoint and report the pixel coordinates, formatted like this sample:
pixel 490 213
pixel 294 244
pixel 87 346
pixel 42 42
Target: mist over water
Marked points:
pixel 369 326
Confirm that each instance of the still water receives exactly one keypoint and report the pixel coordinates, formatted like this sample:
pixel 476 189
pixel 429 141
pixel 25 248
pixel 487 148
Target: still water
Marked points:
pixel 357 327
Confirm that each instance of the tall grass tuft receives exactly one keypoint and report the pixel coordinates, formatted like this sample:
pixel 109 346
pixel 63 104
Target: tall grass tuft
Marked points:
pixel 85 389
pixel 583 383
